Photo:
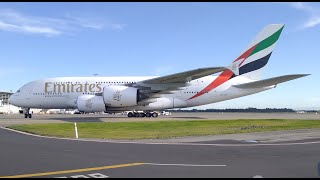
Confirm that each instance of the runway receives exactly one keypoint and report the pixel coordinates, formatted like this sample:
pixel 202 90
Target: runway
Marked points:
pixel 29 156
pixel 293 153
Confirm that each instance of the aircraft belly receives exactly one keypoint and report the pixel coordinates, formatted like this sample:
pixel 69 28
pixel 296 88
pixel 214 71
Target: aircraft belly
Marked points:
pixel 49 102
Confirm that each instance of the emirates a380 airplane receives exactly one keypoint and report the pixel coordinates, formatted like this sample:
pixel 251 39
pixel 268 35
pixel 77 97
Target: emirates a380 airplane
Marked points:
pixel 148 94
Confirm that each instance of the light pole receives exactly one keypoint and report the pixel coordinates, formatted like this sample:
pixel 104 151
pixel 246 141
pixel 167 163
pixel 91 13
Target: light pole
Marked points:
pixel 8 100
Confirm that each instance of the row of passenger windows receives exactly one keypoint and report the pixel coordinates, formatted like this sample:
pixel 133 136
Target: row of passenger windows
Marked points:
pixel 46 93
pixel 96 82
pixel 109 82
pixel 187 92
pixel 127 82
pixel 114 82
pixel 55 93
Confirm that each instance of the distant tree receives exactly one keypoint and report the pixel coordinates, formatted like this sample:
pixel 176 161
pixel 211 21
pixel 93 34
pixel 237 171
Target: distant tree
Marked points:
pixel 249 109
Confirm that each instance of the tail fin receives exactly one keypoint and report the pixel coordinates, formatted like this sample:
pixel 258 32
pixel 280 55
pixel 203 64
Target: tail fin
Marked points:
pixel 252 60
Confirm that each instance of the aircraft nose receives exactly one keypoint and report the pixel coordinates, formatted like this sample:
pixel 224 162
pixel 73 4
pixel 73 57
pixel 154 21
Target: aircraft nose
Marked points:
pixel 11 99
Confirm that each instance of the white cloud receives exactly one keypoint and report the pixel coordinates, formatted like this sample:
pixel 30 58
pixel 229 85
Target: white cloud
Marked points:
pixel 14 21
pixel 118 26
pixel 312 11
pixel 301 6
pixel 85 22
pixel 312 22
pixel 29 29
pixel 94 22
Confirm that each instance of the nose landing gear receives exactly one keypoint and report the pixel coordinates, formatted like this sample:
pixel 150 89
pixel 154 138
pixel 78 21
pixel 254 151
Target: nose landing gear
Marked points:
pixel 27 113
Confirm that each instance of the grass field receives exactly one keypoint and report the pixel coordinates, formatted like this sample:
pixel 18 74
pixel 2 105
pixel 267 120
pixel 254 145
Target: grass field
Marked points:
pixel 164 129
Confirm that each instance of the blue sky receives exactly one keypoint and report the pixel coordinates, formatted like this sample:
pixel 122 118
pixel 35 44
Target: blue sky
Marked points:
pixel 42 40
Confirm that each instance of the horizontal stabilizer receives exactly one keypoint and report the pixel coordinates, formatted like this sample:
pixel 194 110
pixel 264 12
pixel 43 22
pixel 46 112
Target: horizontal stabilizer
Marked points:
pixel 270 82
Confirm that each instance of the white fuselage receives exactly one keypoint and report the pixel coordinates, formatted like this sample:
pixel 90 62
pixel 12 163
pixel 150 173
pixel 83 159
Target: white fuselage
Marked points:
pixel 63 92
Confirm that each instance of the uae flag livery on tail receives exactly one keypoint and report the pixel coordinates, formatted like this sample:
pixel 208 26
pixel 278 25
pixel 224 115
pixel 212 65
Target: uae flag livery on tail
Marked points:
pixel 251 60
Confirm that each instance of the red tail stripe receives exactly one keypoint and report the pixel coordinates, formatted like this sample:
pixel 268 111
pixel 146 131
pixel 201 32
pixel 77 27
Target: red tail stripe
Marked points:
pixel 225 75
pixel 245 55
pixel 222 78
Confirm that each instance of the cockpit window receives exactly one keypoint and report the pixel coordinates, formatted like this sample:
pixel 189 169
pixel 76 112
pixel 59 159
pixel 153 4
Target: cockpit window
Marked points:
pixel 18 91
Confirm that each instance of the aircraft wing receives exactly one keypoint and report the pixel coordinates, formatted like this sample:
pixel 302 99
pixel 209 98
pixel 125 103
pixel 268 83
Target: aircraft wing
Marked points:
pixel 151 89
pixel 184 77
pixel 270 82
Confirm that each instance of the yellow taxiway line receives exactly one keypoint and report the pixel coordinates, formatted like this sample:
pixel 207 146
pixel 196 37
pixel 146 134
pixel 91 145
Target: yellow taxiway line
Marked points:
pixel 72 171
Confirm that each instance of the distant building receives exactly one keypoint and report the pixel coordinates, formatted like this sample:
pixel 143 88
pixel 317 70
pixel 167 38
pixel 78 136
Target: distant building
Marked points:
pixel 5 107
pixel 4 96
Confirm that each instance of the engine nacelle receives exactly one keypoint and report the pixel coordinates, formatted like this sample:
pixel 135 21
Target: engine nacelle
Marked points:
pixel 91 103
pixel 120 96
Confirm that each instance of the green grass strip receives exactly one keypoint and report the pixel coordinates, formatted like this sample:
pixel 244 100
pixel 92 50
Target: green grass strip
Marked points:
pixel 164 129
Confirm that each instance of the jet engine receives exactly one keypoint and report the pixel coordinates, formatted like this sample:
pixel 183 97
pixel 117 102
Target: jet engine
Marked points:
pixel 120 96
pixel 90 103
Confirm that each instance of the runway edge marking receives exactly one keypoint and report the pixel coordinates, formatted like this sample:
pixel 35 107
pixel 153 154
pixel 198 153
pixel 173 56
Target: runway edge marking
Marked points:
pixel 188 165
pixel 73 171
pixel 157 143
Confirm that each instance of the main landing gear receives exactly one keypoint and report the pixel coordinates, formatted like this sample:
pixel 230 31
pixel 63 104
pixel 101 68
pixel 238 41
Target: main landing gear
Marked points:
pixel 142 114
pixel 27 113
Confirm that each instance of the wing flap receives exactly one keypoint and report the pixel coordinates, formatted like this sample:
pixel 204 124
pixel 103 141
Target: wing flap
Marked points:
pixel 270 82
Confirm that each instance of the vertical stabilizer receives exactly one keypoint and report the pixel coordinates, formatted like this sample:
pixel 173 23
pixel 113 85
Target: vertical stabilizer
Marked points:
pixel 253 59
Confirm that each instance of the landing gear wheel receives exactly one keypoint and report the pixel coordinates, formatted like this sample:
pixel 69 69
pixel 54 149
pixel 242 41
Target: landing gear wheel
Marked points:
pixel 154 114
pixel 130 114
pixel 25 115
pixel 136 114
pixel 142 115
pixel 30 115
pixel 148 114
